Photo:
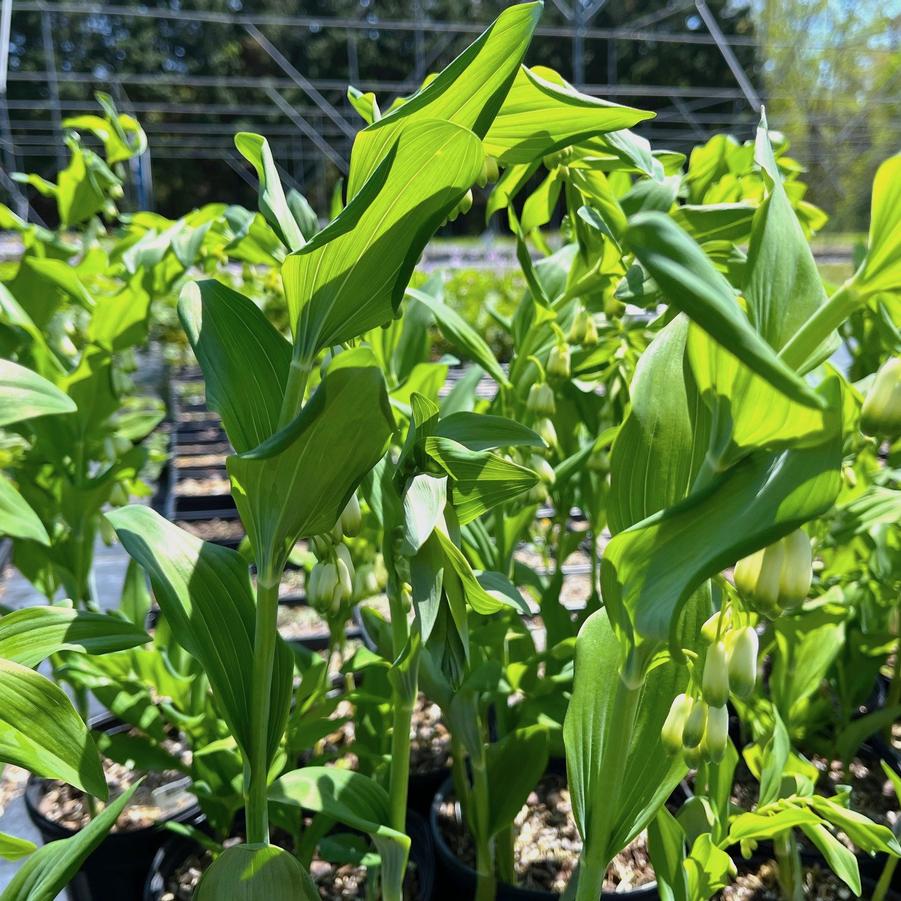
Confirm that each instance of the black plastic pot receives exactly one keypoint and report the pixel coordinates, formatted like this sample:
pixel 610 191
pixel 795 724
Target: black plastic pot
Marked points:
pixel 170 857
pixel 117 869
pixel 457 880
pixel 205 506
pixel 318 641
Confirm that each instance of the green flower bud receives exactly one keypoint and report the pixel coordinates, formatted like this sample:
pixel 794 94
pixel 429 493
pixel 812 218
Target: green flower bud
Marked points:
pixel 757 579
pixel 490 167
pixel 671 733
pixel 365 583
pixel 345 568
pixel 797 569
pixel 543 468
pixel 323 586
pixel 880 415
pixel 541 400
pixel 716 736
pixel 558 362
pixel 590 338
pixel 692 757
pixel 715 681
pixel 712 628
pixel 548 434
pixel 351 520
pixel 695 724
pixel 537 494
pixel 743 661
pixel 577 328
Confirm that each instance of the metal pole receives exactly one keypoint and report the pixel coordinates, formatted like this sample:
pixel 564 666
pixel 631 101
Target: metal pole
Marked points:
pixel 53 85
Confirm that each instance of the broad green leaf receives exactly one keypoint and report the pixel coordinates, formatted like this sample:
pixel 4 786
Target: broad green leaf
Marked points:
pixel 51 868
pixel 775 756
pixel 121 320
pixel 256 873
pixel 716 221
pixel 32 634
pixel 352 275
pixel 782 284
pixel 365 104
pixel 297 483
pixel 273 205
pixel 540 205
pixel 691 283
pixel 352 799
pixel 469 92
pixel 649 571
pixel 14 848
pixel 245 361
pixel 867 835
pixel 17 519
pixel 661 444
pixel 666 847
pixel 461 334
pixel 639 775
pixel 514 764
pixel 765 825
pixel 40 730
pixel 542 113
pixel 59 275
pixel 881 269
pixel 747 412
pixel 424 500
pixel 475 593
pixel 841 860
pixel 24 395
pixel 482 431
pixel 481 479
pixel 204 592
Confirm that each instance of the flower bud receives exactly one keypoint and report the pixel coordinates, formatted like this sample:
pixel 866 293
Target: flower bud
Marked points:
pixel 797 569
pixel 671 733
pixel 692 757
pixel 544 469
pixel 558 363
pixel 577 328
pixel 590 338
pixel 546 431
pixel 345 568
pixel 323 586
pixel 695 724
pixel 715 681
pixel 880 415
pixel 598 462
pixel 541 400
pixel 365 583
pixel 743 662
pixel 351 519
pixel 712 628
pixel 716 736
pixel 537 494
pixel 757 579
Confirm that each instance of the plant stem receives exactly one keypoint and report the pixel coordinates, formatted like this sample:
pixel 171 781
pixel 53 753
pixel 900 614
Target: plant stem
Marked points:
pixel 885 879
pixel 503 850
pixel 821 325
pixel 486 885
pixel 594 859
pixel 400 759
pixel 788 866
pixel 295 389
pixel 264 643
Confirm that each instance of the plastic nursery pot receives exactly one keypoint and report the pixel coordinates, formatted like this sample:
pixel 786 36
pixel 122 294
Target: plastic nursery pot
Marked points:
pixel 457 880
pixel 174 853
pixel 117 869
pixel 316 641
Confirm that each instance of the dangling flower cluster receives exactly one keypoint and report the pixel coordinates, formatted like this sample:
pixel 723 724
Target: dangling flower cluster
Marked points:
pixel 331 581
pixel 776 578
pixel 698 721
pixel 583 330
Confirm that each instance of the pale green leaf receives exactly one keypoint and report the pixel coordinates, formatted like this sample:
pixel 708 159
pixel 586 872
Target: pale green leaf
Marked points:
pixel 25 394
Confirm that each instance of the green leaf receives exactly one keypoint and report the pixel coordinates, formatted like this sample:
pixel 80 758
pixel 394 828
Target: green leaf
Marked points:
pixel 481 479
pixel 469 92
pixel 641 776
pixel 14 848
pixel 649 571
pixel 352 275
pixel 462 335
pixel 841 860
pixel 51 868
pixel 542 113
pixel 32 634
pixel 775 756
pixel 40 730
pixel 121 320
pixel 666 846
pixel 748 412
pixel 256 873
pixel 245 361
pixel 881 270
pixel 482 431
pixel 17 519
pixel 273 205
pixel 782 285
pixel 424 500
pixel 25 395
pixel 691 283
pixel 297 483
pixel 204 592
pixel 716 221
pixel 514 765
pixel 352 799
